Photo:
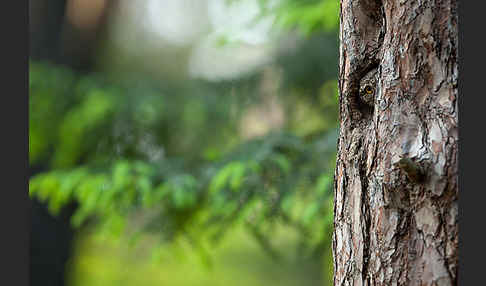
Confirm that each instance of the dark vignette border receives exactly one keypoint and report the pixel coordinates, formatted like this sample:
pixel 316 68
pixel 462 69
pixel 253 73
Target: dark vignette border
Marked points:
pixel 14 209
pixel 471 144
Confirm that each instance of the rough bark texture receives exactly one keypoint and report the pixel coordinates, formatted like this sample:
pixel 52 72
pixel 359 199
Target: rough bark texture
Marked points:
pixel 396 186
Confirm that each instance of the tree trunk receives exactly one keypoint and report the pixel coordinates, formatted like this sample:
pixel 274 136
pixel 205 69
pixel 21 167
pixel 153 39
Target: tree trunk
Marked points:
pixel 396 186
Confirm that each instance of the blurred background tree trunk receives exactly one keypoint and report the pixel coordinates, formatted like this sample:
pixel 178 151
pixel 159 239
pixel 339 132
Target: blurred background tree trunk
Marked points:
pixel 396 186
pixel 68 32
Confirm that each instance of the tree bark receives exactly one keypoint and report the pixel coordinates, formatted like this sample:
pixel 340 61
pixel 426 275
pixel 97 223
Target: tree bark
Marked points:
pixel 396 189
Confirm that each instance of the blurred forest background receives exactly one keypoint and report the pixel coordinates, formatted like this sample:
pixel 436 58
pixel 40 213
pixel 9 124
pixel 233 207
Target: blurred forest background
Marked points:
pixel 182 142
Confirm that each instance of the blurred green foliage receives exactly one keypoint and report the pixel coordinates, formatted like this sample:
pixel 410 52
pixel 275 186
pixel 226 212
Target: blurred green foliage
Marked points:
pixel 95 139
pixel 307 16
pixel 238 260
pixel 90 134
pixel 167 159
